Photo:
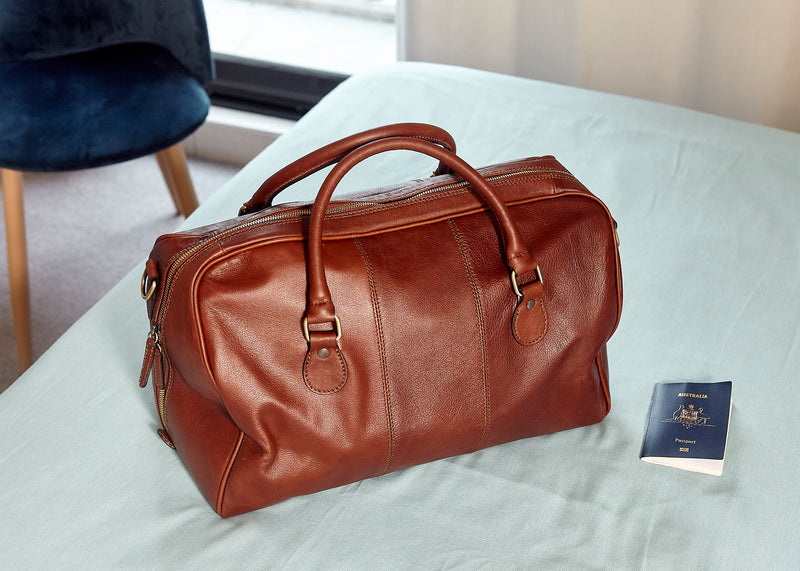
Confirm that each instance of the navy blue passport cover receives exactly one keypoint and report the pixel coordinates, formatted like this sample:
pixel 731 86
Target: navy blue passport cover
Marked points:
pixel 687 420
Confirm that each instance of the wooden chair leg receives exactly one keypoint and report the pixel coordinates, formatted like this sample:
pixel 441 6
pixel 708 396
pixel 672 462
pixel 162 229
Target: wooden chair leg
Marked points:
pixel 17 265
pixel 173 161
pixel 170 180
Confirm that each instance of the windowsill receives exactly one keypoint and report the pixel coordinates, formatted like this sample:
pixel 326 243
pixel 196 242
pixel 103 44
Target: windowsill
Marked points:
pixel 234 137
pixel 381 10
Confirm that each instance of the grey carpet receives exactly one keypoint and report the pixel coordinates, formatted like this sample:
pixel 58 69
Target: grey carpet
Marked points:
pixel 85 231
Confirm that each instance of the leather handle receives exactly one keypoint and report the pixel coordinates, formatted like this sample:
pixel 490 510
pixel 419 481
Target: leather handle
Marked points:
pixel 320 313
pixel 334 152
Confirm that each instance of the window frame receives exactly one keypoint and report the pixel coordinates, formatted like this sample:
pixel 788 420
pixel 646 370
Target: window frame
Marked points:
pixel 268 88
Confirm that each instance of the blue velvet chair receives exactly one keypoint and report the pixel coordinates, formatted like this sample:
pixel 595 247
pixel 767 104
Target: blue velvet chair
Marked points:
pixel 91 83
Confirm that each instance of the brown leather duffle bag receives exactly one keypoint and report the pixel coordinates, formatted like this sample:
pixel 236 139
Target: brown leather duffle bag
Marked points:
pixel 300 347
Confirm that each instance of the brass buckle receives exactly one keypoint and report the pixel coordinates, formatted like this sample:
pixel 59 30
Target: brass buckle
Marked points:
pixel 147 292
pixel 338 328
pixel 514 285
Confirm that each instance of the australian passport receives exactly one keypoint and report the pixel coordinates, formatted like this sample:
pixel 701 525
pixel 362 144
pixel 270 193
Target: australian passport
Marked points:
pixel 687 426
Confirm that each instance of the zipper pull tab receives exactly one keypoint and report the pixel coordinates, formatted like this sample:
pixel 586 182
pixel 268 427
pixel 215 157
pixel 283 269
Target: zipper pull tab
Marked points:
pixel 166 438
pixel 150 349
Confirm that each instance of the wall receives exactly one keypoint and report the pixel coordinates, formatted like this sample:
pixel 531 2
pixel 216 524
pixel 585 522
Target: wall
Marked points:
pixel 737 58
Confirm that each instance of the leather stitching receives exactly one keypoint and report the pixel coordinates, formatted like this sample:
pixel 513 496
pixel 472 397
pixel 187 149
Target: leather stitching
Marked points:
pixel 487 409
pixel 376 312
pixel 384 207
pixel 167 380
pixel 517 335
pixel 337 388
pixel 379 208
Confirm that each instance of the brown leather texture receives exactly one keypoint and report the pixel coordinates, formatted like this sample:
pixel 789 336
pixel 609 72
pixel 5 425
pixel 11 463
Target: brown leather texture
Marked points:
pixel 303 347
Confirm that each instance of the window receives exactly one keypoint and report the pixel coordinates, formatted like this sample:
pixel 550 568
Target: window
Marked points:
pixel 281 56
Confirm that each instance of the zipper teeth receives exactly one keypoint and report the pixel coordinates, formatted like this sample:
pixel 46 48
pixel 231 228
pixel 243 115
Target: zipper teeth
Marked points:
pixel 307 211
pixel 490 178
pixel 162 397
pixel 255 222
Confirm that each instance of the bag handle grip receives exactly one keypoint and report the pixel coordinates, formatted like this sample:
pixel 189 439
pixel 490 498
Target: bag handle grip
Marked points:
pixel 334 152
pixel 320 310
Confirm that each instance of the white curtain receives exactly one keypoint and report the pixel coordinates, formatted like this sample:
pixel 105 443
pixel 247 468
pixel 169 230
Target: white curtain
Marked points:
pixel 737 58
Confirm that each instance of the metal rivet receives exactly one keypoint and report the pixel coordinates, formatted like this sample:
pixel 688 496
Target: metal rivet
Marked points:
pixel 323 353
pixel 531 304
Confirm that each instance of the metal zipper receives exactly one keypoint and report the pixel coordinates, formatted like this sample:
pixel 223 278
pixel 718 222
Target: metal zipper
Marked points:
pixel 306 212
pixel 186 254
pixel 491 178
pixel 162 397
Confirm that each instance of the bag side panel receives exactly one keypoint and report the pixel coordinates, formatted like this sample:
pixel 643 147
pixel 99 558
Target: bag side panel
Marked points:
pixel 203 435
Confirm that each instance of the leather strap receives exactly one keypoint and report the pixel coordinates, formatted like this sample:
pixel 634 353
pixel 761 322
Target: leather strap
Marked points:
pixel 320 312
pixel 334 152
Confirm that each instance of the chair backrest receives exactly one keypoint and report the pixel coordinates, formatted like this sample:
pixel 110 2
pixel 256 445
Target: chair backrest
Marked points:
pixel 41 29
